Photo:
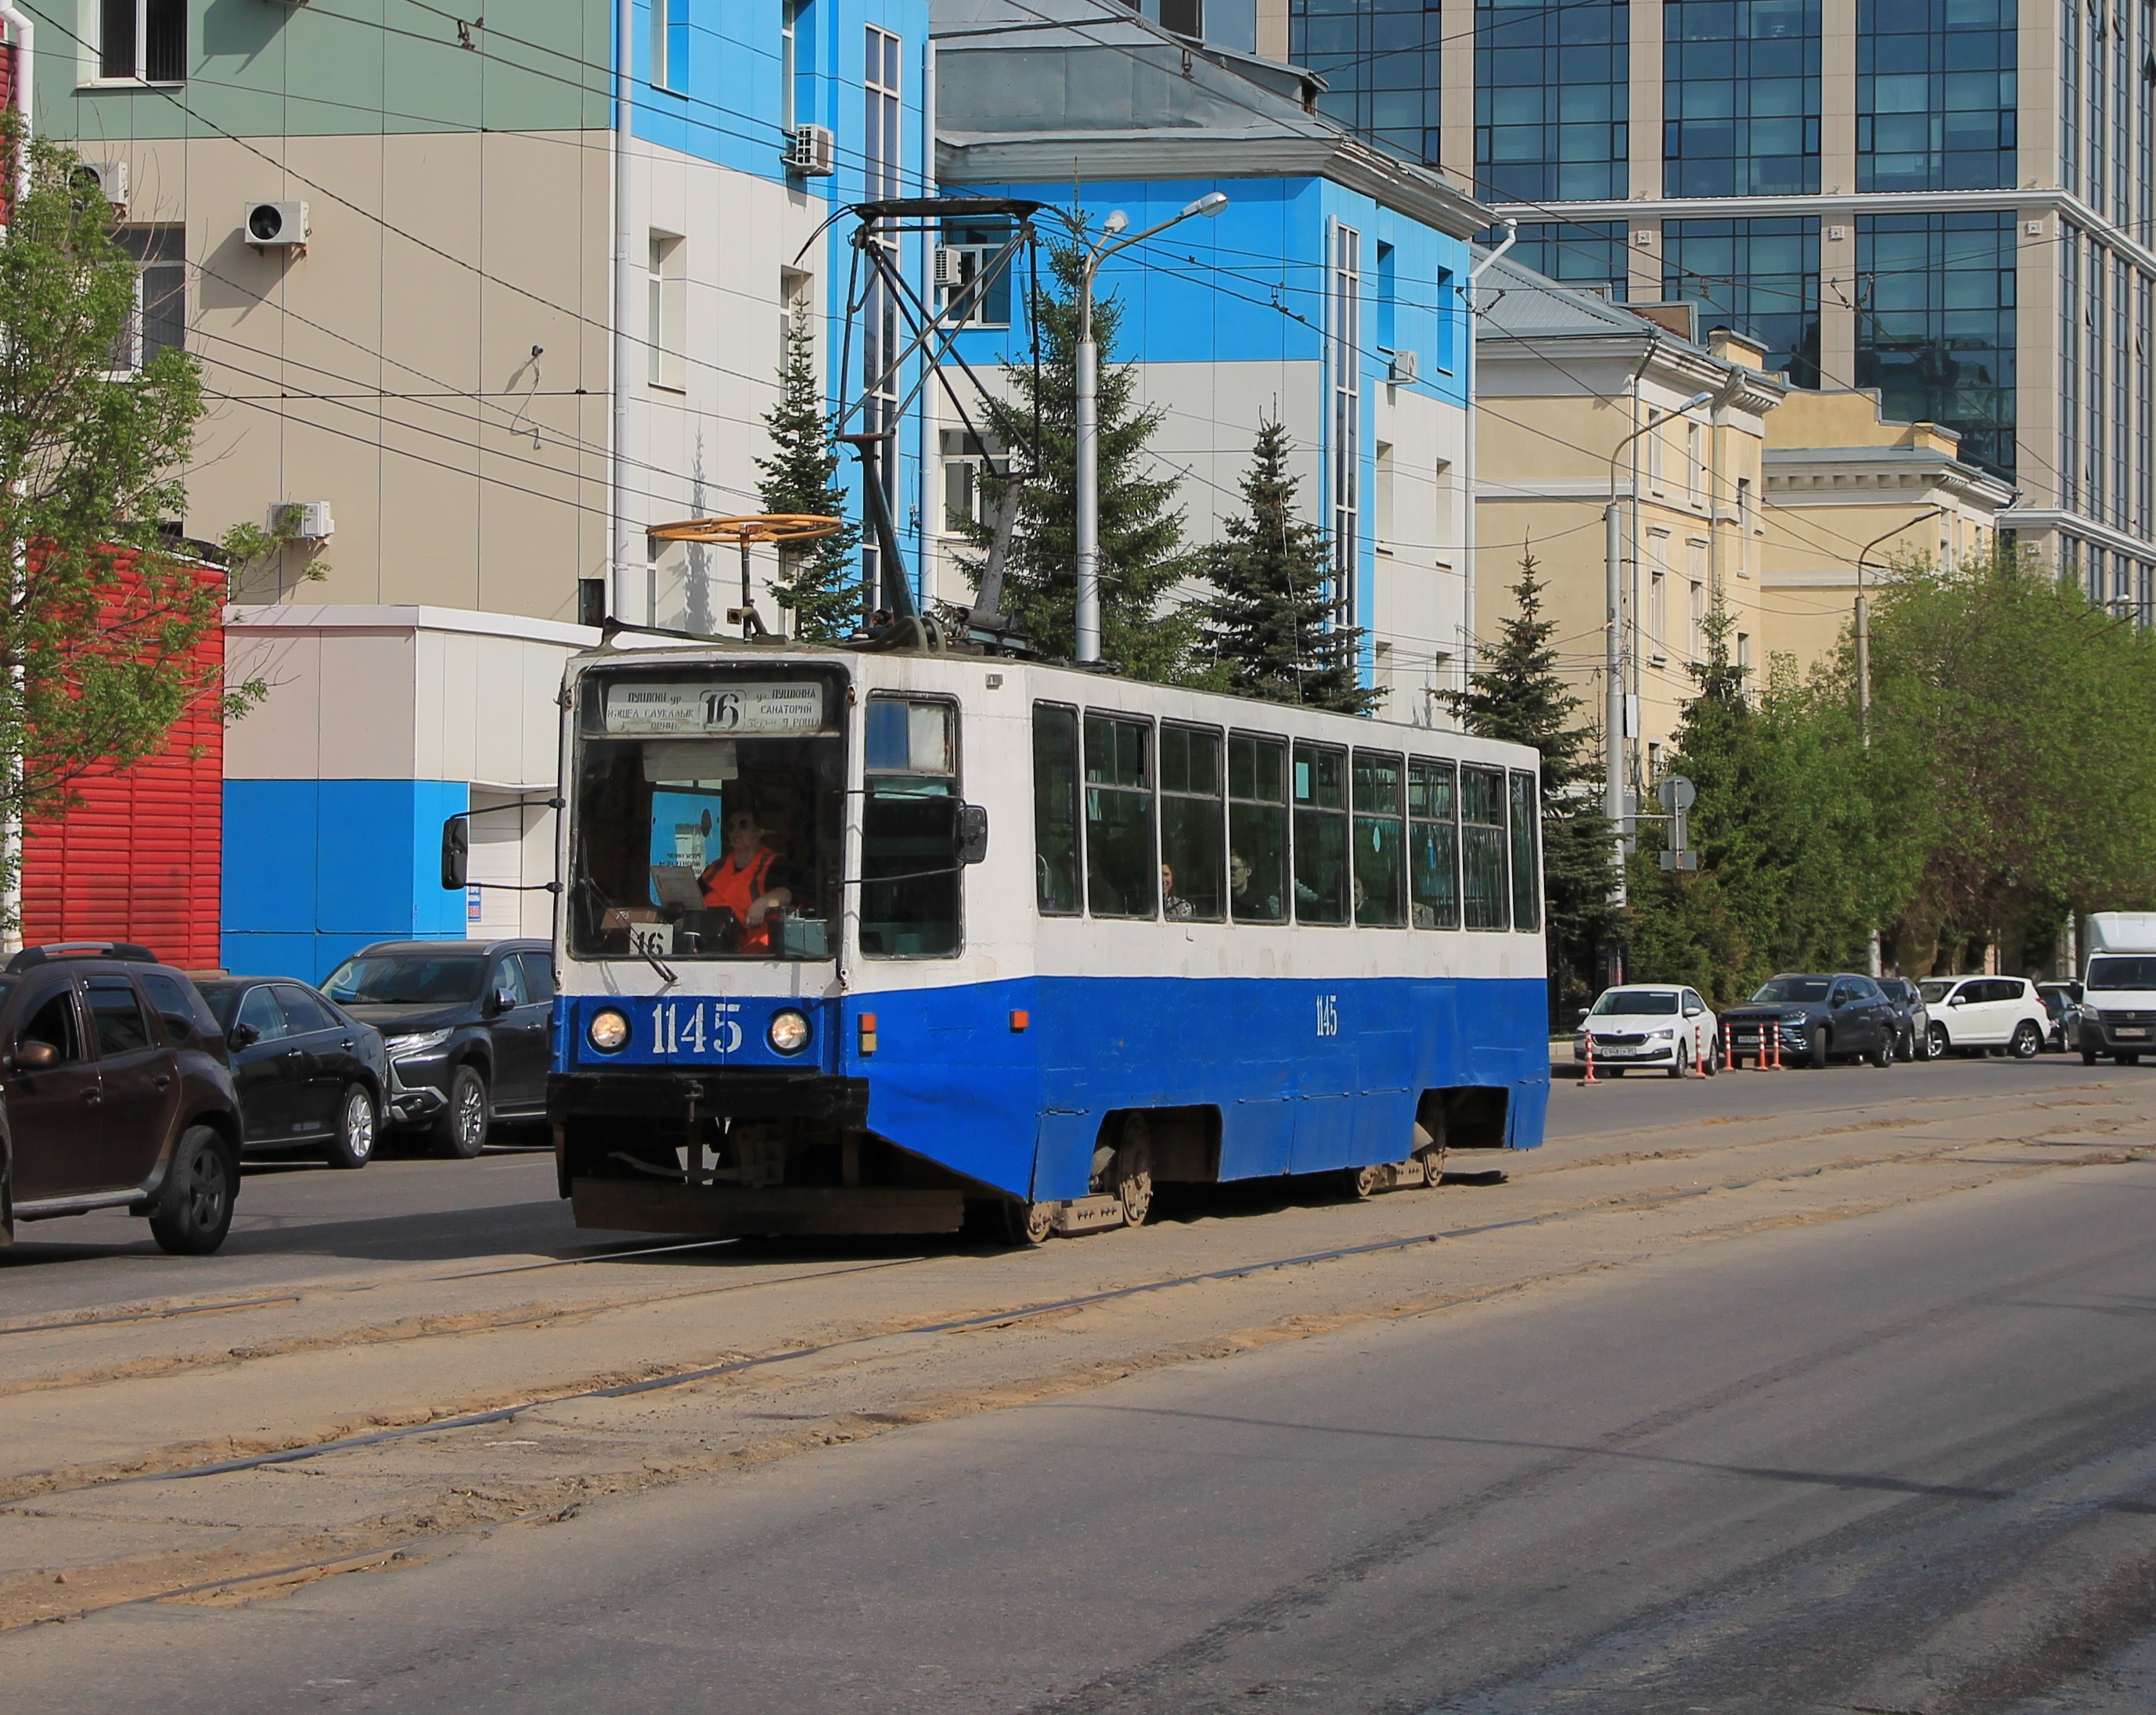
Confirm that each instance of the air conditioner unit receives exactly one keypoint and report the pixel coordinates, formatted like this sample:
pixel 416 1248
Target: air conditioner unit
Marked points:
pixel 1405 367
pixel 110 178
pixel 811 151
pixel 303 520
pixel 949 270
pixel 275 226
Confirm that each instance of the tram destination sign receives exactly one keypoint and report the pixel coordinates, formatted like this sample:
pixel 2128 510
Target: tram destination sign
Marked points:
pixel 699 709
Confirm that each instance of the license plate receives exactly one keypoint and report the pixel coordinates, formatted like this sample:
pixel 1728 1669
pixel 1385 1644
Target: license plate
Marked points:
pixel 2130 1030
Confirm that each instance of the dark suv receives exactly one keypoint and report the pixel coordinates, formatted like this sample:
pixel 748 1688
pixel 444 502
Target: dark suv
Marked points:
pixel 117 1095
pixel 466 1026
pixel 1819 1018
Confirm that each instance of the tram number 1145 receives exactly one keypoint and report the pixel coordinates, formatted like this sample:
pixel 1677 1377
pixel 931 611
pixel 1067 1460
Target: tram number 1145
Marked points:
pixel 1328 1015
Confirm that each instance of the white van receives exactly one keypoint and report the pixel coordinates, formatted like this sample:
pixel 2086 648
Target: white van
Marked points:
pixel 2119 983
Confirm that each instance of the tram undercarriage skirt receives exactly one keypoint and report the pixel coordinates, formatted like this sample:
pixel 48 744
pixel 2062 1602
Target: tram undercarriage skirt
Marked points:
pixel 635 1205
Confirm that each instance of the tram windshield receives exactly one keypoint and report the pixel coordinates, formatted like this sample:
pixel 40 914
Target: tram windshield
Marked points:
pixel 706 815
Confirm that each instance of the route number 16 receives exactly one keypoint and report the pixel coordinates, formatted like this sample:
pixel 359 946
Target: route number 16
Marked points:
pixel 1328 1015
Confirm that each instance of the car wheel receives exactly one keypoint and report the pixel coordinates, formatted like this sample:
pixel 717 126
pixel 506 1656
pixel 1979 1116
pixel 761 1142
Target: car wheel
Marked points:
pixel 194 1212
pixel 2088 1057
pixel 2128 1059
pixel 1714 1055
pixel 1936 1042
pixel 2027 1044
pixel 1682 1064
pixel 1820 1047
pixel 1882 1057
pixel 1614 1072
pixel 358 1125
pixel 461 1131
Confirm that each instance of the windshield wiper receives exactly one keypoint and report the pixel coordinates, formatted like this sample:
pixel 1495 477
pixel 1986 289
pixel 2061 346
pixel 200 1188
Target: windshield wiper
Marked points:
pixel 665 973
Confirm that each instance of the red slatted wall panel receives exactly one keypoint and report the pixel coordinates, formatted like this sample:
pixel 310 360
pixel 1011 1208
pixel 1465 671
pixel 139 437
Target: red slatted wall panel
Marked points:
pixel 141 858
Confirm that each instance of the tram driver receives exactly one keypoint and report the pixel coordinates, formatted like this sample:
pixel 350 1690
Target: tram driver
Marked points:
pixel 748 881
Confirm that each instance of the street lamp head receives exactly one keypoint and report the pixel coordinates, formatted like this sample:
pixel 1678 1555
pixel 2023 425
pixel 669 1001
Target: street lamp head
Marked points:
pixel 1694 403
pixel 1208 205
pixel 1114 223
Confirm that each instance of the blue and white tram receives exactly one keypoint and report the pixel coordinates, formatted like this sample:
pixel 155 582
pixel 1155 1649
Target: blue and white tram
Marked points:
pixel 868 942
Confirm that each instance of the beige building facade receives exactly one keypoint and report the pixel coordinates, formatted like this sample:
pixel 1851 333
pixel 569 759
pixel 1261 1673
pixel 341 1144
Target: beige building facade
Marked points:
pixel 1847 488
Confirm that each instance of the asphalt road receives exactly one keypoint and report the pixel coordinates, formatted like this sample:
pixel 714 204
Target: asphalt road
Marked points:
pixel 298 1222
pixel 1905 1462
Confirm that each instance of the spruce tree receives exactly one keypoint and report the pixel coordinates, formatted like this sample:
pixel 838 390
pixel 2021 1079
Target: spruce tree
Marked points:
pixel 1519 695
pixel 816 579
pixel 1143 633
pixel 1268 630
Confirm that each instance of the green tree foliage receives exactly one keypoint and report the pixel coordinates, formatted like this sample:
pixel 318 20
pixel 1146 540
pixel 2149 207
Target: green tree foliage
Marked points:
pixel 1268 630
pixel 1144 632
pixel 104 612
pixel 818 580
pixel 1519 695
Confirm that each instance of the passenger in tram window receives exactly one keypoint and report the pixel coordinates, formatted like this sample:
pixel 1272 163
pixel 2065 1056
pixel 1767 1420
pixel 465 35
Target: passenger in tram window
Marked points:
pixel 1249 905
pixel 749 880
pixel 1174 908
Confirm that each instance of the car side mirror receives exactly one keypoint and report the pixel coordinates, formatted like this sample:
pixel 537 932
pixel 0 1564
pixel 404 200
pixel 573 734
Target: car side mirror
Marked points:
pixel 1580 1016
pixel 972 832
pixel 501 1001
pixel 37 1057
pixel 456 852
pixel 243 1036
pixel 1958 1000
pixel 1837 1002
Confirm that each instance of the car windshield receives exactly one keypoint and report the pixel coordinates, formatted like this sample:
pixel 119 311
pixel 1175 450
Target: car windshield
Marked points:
pixel 2115 973
pixel 1781 990
pixel 407 980
pixel 1635 1001
pixel 1936 989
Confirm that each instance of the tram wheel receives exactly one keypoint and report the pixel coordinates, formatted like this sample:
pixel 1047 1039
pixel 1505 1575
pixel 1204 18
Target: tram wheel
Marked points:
pixel 1430 1152
pixel 1133 1169
pixel 1027 1223
pixel 1361 1183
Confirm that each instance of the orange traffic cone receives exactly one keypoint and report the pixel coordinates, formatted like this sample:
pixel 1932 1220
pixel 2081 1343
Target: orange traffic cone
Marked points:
pixel 1590 1077
pixel 1778 1045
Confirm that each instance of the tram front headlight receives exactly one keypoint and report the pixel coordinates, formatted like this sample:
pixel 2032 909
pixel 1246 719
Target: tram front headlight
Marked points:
pixel 608 1031
pixel 788 1033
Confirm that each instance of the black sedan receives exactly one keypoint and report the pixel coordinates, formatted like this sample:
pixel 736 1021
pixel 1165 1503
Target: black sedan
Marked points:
pixel 1817 1018
pixel 309 1075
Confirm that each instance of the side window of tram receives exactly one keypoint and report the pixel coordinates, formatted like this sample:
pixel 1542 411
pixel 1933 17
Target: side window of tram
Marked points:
pixel 1257 828
pixel 1190 823
pixel 909 878
pixel 1380 841
pixel 1433 844
pixel 1482 846
pixel 1056 880
pixel 1320 834
pixel 1121 873
pixel 1526 872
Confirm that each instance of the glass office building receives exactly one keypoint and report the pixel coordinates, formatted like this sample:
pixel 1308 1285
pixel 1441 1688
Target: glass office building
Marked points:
pixel 1851 184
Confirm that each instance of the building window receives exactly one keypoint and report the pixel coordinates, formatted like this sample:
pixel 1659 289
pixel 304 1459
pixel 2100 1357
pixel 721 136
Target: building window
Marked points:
pixel 969 249
pixel 1744 526
pixel 1658 598
pixel 1589 254
pixel 2121 347
pixel 789 63
pixel 1935 95
pixel 1760 277
pixel 1695 610
pixel 1935 325
pixel 1552 93
pixel 1382 482
pixel 1695 466
pixel 667 334
pixel 1346 415
pixel 2070 366
pixel 2090 311
pixel 1657 442
pixel 1379 61
pixel 2144 405
pixel 881 176
pixel 159 320
pixel 669 44
pixel 142 40
pixel 1740 98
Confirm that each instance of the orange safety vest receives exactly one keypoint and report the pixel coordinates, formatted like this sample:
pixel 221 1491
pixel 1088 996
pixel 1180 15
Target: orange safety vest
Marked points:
pixel 737 890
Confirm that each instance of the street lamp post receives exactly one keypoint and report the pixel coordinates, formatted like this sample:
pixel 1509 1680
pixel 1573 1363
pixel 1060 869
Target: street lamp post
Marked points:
pixel 1613 550
pixel 1864 622
pixel 1088 411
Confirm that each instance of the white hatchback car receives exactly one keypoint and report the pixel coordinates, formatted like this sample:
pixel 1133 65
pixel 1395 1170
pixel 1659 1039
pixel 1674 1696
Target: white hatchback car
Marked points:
pixel 1985 1012
pixel 1663 1025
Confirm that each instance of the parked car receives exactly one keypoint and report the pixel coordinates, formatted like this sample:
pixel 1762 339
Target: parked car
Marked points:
pixel 117 1095
pixel 1663 1025
pixel 1986 1014
pixel 465 1025
pixel 307 1072
pixel 2062 1001
pixel 1820 1017
pixel 1912 1021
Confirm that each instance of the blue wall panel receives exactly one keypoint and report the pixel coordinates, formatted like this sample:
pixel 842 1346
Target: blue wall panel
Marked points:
pixel 314 869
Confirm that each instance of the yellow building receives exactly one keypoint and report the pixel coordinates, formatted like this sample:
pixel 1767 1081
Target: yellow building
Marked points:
pixel 1847 486
pixel 1578 405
